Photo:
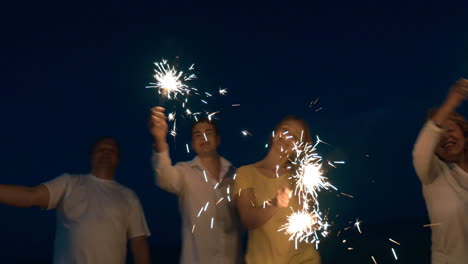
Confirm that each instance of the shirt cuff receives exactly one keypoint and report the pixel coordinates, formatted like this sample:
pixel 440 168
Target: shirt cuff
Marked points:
pixel 434 127
pixel 161 159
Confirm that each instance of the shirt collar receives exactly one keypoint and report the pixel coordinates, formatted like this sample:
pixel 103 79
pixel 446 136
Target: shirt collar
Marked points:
pixel 225 164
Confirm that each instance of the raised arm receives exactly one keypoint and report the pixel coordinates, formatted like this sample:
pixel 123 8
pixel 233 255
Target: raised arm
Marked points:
pixel 425 162
pixel 22 196
pixel 167 177
pixel 255 216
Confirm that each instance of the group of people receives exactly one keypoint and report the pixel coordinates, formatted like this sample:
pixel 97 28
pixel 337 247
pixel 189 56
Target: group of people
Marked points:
pixel 96 216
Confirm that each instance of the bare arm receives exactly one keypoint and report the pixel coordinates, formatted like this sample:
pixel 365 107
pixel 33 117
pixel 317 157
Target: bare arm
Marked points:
pixel 21 196
pixel 140 250
pixel 255 216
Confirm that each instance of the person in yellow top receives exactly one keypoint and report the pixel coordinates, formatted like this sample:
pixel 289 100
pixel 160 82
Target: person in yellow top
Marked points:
pixel 264 201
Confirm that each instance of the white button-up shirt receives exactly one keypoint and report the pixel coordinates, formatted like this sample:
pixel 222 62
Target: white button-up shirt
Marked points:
pixel 210 224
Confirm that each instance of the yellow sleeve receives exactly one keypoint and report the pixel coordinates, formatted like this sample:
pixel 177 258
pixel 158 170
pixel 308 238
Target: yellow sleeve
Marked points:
pixel 243 179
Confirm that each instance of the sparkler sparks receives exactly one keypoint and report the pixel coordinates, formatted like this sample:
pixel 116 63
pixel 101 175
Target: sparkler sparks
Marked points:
pixel 245 133
pixel 169 81
pixel 222 91
pixel 307 224
pixel 357 224
pixel 394 241
pixel 394 254
pixel 171 116
pixel 300 225
pixel 435 224
pixel 204 174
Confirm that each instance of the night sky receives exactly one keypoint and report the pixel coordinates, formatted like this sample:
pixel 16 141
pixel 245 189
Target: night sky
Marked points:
pixel 72 73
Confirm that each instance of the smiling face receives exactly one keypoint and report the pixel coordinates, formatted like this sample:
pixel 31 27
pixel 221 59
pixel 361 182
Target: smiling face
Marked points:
pixel 205 141
pixel 451 146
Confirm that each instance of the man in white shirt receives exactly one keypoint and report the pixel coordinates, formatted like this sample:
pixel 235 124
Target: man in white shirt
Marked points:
pixel 95 215
pixel 210 225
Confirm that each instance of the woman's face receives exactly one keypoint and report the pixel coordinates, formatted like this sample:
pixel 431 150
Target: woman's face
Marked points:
pixel 452 143
pixel 286 135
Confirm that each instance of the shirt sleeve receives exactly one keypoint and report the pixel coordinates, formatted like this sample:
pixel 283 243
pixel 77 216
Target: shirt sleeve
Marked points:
pixel 167 177
pixel 137 225
pixel 427 165
pixel 243 180
pixel 57 188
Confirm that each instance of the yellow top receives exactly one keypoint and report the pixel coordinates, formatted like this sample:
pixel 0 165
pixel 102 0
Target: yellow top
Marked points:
pixel 266 244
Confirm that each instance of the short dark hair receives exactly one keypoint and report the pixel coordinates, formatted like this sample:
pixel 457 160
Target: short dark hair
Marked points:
pixel 206 120
pixel 100 139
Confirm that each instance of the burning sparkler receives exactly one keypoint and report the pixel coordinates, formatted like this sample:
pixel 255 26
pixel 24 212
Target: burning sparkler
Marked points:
pixel 307 224
pixel 169 81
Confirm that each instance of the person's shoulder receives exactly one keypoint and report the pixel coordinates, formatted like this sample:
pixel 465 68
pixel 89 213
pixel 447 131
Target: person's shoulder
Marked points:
pixel 73 178
pixel 126 191
pixel 246 169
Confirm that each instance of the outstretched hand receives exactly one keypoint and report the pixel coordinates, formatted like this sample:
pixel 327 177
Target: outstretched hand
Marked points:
pixel 458 93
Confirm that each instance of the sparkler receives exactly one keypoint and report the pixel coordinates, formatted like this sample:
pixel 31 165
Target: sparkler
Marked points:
pixel 307 224
pixel 169 81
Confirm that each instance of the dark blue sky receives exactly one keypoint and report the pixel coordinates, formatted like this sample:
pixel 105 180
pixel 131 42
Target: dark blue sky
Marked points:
pixel 71 73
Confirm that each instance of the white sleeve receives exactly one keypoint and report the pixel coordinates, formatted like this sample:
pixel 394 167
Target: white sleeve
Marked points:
pixel 167 177
pixel 57 188
pixel 137 224
pixel 427 165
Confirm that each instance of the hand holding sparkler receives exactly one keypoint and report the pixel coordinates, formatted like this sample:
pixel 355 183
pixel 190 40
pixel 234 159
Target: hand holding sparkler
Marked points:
pixel 159 128
pixel 282 198
pixel 457 94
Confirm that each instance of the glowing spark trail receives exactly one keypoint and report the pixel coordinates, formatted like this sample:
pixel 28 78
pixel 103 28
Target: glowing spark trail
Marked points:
pixel 435 224
pixel 394 241
pixel 357 225
pixel 171 116
pixel 245 133
pixel 186 146
pixel 222 91
pixel 204 174
pixel 394 254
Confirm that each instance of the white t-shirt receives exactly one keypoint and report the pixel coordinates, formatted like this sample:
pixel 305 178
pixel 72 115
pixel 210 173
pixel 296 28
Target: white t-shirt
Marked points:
pixel 445 189
pixel 95 218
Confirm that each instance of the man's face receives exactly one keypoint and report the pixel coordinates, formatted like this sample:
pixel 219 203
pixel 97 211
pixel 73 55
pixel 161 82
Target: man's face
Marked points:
pixel 105 154
pixel 204 139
